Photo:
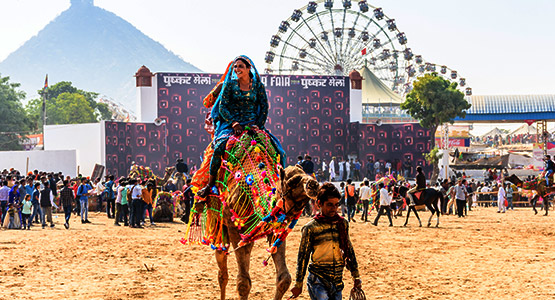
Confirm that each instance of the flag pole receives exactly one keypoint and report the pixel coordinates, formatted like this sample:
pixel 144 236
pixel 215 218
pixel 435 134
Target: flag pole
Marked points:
pixel 44 91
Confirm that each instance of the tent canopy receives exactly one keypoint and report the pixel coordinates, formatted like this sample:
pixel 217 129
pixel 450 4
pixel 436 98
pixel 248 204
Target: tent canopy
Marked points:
pixel 495 131
pixel 524 129
pixel 375 92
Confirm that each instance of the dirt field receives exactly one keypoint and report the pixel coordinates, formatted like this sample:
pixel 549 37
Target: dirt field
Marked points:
pixel 484 256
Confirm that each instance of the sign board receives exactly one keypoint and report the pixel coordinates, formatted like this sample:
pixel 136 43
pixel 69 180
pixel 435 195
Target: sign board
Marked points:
pixel 97 172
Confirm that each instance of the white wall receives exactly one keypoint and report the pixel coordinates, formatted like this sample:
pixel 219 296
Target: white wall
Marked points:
pixel 86 139
pixel 356 105
pixel 50 161
pixel 147 102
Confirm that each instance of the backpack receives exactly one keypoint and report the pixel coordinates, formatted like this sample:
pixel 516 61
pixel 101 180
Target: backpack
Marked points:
pixel 350 191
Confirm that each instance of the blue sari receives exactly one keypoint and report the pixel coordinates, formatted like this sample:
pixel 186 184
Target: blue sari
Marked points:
pixel 244 107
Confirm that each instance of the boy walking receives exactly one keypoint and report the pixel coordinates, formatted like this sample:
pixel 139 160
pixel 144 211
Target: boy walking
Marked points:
pixel 325 241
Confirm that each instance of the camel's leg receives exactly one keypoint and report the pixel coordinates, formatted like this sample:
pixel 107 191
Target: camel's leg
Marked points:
pixel 243 257
pixel 223 276
pixel 533 202
pixel 546 204
pixel 283 278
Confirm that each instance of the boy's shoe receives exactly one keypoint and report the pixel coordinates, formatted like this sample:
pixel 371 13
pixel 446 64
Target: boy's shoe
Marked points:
pixel 66 225
pixel 116 224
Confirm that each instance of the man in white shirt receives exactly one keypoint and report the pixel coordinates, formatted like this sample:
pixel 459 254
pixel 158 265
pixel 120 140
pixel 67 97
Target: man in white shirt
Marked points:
pixel 501 196
pixel 324 171
pixel 385 202
pixel 460 196
pixel 341 171
pixel 365 197
pixel 332 169
pixel 348 169
pixel 136 204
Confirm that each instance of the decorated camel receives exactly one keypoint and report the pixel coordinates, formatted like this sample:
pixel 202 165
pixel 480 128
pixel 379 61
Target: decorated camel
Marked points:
pixel 256 199
pixel 538 188
pixel 145 173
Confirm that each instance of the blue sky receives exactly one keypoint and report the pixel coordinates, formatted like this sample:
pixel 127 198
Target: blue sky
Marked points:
pixel 501 47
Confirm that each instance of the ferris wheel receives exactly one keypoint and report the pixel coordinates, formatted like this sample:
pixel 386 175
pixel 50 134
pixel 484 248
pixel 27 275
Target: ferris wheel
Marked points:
pixel 421 67
pixel 327 38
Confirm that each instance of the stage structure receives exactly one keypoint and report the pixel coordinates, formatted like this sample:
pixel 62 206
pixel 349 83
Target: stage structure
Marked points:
pixel 309 114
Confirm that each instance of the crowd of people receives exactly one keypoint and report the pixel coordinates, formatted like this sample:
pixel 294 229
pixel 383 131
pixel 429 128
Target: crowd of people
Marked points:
pixel 339 169
pixel 460 193
pixel 30 200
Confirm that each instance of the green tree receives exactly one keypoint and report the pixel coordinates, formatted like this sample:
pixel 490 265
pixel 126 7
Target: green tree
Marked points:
pixel 434 101
pixel 59 109
pixel 14 123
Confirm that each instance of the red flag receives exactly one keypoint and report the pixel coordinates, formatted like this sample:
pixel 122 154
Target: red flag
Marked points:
pixel 363 52
pixel 45 83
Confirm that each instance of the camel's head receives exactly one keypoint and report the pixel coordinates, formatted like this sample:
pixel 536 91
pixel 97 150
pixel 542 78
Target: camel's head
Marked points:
pixel 514 179
pixel 296 188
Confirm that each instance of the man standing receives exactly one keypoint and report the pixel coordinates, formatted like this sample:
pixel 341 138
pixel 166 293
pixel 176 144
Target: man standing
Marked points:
pixel 460 196
pixel 365 192
pixel 188 200
pixel 501 197
pixel 110 197
pixel 83 195
pixel 308 165
pixel 181 167
pixel 341 170
pixel 4 196
pixel 385 202
pixel 35 200
pixel 325 240
pixel 348 166
pixel 351 200
pixel 370 169
pixel 356 168
pixel 407 167
pixel 136 203
pixel 46 203
pixel 332 169
pixel 66 199
pixel 325 169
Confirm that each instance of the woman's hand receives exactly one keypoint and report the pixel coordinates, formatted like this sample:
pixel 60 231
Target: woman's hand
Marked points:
pixel 253 126
pixel 358 283
pixel 296 292
pixel 237 128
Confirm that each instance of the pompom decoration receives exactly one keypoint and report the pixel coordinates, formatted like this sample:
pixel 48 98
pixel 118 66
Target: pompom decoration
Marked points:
pixel 250 167
pixel 250 179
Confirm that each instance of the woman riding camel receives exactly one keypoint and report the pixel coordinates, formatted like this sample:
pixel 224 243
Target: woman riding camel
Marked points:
pixel 241 103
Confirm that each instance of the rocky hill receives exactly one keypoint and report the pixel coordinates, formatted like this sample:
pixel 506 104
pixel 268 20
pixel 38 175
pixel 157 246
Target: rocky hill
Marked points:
pixel 93 48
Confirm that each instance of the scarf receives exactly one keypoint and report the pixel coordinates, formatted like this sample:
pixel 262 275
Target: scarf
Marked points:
pixel 343 234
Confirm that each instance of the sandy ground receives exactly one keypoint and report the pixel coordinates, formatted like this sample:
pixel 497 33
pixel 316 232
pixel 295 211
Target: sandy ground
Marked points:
pixel 484 256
